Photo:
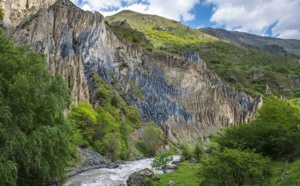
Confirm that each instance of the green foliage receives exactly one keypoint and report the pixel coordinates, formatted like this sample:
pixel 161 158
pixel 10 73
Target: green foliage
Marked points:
pixel 186 175
pixel 198 152
pixel 161 160
pixel 103 95
pixel 112 146
pixel 233 167
pixel 274 133
pixel 133 116
pixel 295 102
pixel 1 13
pixel 85 124
pixel 232 60
pixel 34 145
pixel 107 129
pixel 213 147
pixel 187 151
pixel 152 139
pixel 115 105
pixel 137 91
pixel 115 101
pixel 132 35
pixel 287 173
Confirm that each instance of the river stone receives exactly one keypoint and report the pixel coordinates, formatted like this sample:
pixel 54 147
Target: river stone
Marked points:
pixel 176 162
pixel 171 182
pixel 193 160
pixel 139 177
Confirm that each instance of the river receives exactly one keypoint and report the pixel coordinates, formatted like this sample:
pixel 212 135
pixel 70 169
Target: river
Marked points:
pixel 111 177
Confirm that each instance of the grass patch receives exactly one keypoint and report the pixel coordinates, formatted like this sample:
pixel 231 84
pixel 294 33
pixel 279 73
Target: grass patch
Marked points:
pixel 287 174
pixel 187 174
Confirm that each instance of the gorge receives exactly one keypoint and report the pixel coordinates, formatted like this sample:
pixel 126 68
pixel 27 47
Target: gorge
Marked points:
pixel 173 89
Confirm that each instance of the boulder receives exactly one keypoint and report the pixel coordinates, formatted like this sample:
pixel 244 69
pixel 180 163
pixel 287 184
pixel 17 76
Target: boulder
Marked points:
pixel 139 177
pixel 170 167
pixel 193 160
pixel 171 182
pixel 176 162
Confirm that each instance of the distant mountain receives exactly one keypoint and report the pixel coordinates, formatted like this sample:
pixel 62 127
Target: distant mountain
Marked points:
pixel 291 46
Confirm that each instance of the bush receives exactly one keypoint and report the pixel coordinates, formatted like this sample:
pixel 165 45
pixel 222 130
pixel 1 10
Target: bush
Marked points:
pixel 103 95
pixel 233 167
pixel 274 132
pixel 161 160
pixel 115 101
pixel 187 151
pixel 215 61
pixel 152 139
pixel 198 152
pixel 112 145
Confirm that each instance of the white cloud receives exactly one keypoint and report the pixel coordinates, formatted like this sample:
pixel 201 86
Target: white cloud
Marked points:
pixel 257 16
pixel 172 9
pixel 86 7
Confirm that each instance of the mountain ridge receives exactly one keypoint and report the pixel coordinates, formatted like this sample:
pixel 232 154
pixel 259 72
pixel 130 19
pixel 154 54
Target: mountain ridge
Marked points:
pixel 292 46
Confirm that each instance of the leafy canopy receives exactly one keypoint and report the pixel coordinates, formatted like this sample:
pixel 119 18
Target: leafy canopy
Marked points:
pixel 274 133
pixel 34 145
pixel 233 167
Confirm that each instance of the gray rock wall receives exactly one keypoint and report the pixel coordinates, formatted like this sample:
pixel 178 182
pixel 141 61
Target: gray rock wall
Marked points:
pixel 167 89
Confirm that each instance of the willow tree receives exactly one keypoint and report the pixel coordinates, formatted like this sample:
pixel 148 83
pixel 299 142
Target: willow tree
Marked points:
pixel 34 146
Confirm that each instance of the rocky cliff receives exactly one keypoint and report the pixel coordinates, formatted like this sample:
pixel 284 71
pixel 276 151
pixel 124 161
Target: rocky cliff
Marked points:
pixel 166 88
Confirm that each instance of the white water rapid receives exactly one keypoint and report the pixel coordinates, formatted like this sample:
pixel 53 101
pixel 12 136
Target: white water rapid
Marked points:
pixel 111 177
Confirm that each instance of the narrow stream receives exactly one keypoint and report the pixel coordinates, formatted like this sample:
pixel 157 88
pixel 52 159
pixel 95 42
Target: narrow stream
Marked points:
pixel 111 177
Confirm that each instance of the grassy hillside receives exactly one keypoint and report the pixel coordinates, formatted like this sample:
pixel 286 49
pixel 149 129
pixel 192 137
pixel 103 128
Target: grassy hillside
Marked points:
pixel 291 46
pixel 164 33
pixel 253 70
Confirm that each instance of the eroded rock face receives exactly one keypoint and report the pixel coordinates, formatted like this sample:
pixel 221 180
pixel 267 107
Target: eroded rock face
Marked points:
pixel 174 91
pixel 17 11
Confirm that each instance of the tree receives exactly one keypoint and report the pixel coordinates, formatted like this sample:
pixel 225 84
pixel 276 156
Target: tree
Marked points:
pixel 85 126
pixel 152 138
pixel 274 132
pixel 233 167
pixel 112 146
pixel 198 152
pixel 34 145
pixel 161 160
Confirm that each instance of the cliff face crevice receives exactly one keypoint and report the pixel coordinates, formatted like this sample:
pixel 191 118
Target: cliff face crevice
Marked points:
pixel 167 89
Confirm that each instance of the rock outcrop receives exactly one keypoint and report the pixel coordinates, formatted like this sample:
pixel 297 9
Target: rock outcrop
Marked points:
pixel 18 11
pixel 140 177
pixel 171 90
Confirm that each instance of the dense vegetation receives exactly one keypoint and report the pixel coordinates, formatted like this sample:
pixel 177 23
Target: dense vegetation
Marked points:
pixel 274 133
pixel 34 145
pixel 37 142
pixel 264 152
pixel 107 129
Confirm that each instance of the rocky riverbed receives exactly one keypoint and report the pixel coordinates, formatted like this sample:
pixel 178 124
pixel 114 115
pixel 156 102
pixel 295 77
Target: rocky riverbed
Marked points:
pixel 111 176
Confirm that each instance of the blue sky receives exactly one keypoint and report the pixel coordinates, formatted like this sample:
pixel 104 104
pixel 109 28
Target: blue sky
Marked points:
pixel 275 18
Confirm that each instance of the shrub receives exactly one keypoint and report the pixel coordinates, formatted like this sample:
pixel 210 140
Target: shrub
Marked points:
pixel 161 160
pixel 152 139
pixel 233 167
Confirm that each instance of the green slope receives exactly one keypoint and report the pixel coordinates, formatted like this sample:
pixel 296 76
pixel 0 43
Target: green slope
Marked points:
pixel 251 69
pixel 164 33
